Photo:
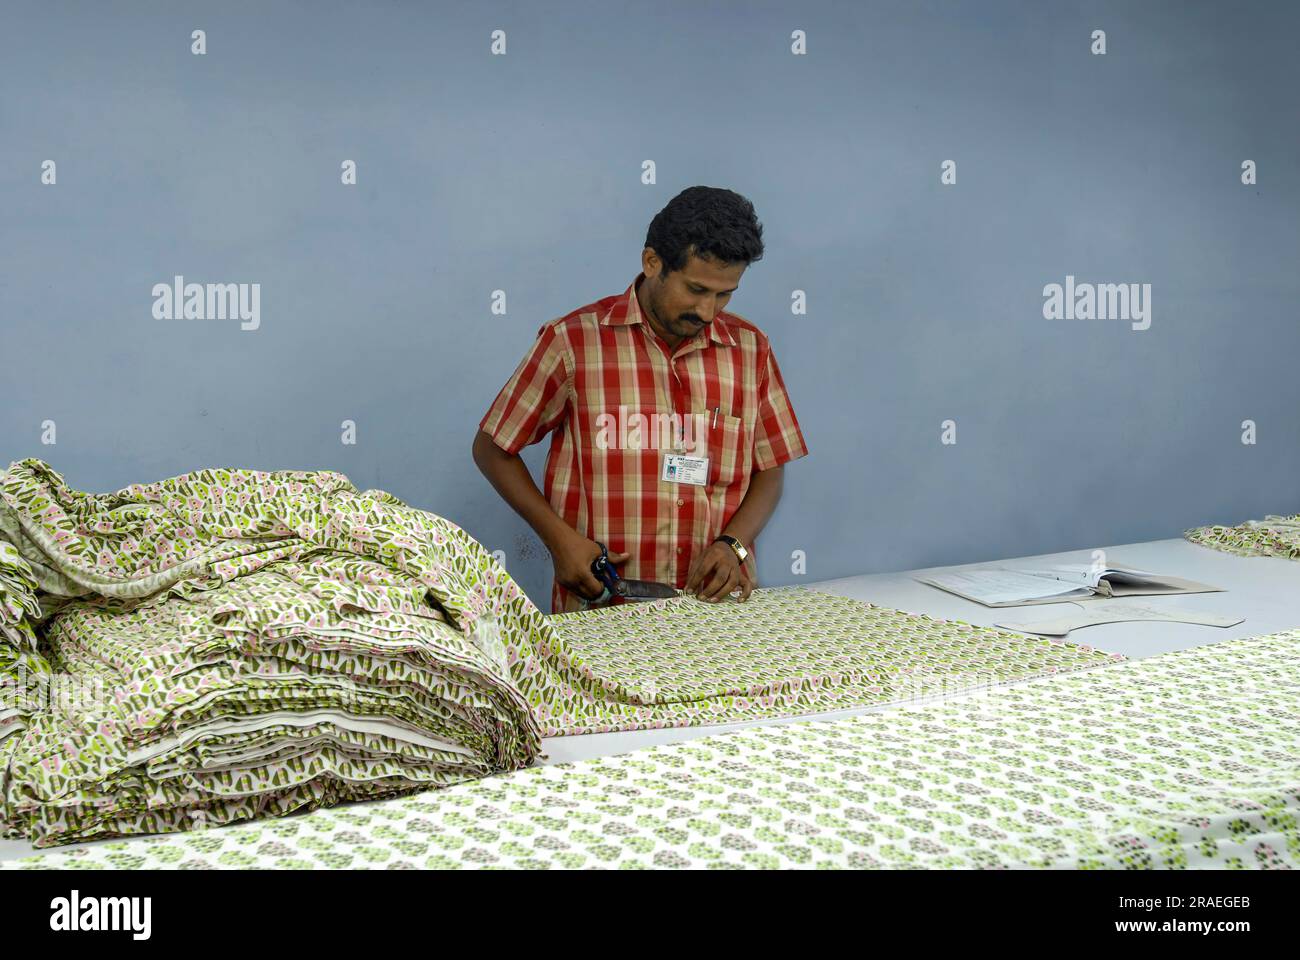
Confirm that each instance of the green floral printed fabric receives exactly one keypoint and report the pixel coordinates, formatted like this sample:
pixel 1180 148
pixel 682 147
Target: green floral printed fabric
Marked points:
pixel 784 652
pixel 1183 760
pixel 256 643
pixel 18 604
pixel 1274 536
pixel 19 608
pixel 230 644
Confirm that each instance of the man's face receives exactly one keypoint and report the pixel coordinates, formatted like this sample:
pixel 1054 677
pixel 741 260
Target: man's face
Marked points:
pixel 687 300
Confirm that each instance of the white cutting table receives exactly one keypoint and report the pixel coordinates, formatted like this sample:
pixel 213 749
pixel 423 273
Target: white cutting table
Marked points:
pixel 1264 590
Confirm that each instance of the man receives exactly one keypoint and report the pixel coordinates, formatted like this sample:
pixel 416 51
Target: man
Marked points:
pixel 669 418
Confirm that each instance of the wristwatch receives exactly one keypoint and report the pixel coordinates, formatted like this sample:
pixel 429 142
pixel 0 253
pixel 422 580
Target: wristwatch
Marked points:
pixel 734 544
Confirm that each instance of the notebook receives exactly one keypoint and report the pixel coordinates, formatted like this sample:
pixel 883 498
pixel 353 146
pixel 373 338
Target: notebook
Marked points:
pixel 1052 583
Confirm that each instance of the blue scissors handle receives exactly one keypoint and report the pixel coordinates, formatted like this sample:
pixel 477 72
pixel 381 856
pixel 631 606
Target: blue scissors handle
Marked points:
pixel 604 571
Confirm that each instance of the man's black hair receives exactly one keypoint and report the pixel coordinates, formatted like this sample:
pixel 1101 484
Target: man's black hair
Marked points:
pixel 708 222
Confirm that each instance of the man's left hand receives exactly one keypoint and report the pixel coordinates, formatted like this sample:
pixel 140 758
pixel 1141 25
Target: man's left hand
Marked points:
pixel 717 572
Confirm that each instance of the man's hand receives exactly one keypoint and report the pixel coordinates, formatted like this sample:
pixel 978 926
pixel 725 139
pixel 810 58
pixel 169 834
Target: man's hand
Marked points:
pixel 572 560
pixel 717 572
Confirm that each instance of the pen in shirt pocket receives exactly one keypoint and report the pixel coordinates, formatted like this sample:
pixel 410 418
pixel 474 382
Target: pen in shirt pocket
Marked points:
pixel 715 415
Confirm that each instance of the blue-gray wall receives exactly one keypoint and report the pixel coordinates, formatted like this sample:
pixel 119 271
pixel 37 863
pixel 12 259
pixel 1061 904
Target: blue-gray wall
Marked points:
pixel 523 173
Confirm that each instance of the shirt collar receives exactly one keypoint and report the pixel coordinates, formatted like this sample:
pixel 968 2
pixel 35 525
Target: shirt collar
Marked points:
pixel 627 310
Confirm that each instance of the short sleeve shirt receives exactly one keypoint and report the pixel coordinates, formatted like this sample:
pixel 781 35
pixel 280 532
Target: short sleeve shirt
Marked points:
pixel 615 399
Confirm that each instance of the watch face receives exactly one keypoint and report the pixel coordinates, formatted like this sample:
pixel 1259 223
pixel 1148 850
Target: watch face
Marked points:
pixel 741 551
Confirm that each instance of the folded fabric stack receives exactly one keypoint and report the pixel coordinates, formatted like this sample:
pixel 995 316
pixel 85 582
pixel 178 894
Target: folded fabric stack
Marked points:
pixel 19 609
pixel 231 644
pixel 18 604
pixel 1274 536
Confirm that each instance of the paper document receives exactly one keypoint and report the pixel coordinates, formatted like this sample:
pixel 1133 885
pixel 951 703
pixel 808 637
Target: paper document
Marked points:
pixel 1001 587
pixel 1052 583
pixel 1116 612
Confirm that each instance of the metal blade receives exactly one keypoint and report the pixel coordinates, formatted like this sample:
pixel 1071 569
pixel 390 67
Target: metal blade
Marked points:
pixel 645 590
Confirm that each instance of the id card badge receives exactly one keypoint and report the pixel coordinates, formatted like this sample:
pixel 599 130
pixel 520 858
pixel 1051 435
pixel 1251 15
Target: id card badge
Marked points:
pixel 680 468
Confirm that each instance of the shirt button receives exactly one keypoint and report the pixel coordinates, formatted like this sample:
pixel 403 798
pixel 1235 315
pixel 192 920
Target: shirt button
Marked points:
pixel 681 503
pixel 679 549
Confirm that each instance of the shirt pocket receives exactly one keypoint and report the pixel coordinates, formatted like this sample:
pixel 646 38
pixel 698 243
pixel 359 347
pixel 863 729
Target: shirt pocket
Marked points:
pixel 730 451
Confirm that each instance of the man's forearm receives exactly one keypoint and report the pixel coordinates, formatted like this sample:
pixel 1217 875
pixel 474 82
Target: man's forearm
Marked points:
pixel 756 509
pixel 509 476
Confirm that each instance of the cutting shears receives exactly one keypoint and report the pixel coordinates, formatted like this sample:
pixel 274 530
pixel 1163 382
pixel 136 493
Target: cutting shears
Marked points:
pixel 616 586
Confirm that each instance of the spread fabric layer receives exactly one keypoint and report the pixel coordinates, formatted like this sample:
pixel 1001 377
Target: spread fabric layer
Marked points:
pixel 784 652
pixel 248 643
pixel 1274 536
pixel 1184 760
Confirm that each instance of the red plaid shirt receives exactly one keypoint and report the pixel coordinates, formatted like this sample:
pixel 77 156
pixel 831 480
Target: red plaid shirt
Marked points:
pixel 586 380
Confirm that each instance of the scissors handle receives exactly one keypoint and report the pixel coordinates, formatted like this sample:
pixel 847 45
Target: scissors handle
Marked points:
pixel 604 571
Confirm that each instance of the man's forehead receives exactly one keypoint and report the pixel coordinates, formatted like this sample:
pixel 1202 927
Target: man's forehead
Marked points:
pixel 707 273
